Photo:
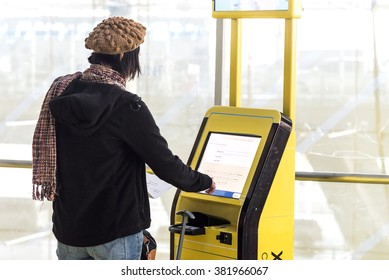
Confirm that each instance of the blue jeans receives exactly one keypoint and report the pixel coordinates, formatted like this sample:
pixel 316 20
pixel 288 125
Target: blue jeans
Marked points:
pixel 125 248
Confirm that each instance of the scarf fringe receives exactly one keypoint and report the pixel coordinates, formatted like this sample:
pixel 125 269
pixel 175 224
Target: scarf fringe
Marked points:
pixel 40 192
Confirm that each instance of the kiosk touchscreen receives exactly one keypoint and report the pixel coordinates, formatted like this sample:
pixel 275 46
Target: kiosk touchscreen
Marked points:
pixel 256 8
pixel 250 5
pixel 250 215
pixel 227 158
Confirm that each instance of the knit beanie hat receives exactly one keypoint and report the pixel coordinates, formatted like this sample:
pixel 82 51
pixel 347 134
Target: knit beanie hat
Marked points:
pixel 116 35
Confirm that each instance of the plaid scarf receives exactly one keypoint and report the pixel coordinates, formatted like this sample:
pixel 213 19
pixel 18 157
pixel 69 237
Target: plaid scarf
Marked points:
pixel 44 150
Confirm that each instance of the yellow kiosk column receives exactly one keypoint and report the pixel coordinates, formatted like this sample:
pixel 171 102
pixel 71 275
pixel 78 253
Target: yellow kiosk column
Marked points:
pixel 236 62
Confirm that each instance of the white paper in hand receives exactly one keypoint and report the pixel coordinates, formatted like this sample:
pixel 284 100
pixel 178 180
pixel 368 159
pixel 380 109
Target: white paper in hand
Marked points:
pixel 155 186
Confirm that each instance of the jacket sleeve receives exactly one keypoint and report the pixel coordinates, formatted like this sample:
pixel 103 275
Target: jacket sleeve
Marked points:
pixel 142 134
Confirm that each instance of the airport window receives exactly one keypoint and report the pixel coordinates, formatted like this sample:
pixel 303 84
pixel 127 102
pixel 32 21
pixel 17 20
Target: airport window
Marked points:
pixel 342 92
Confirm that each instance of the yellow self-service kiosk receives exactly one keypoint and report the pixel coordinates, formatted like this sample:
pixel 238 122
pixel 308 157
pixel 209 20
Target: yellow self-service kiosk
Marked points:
pixel 250 216
pixel 250 154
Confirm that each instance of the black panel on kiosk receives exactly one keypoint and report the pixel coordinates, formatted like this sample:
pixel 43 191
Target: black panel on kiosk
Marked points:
pixel 227 158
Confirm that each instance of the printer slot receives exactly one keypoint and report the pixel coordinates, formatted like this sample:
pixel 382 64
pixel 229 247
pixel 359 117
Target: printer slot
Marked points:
pixel 196 226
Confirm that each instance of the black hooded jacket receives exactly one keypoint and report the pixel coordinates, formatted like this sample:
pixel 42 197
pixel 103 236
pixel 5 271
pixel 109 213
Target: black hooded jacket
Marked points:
pixel 105 135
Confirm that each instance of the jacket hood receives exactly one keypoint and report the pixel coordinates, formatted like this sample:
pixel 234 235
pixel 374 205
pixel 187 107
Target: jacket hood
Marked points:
pixel 86 106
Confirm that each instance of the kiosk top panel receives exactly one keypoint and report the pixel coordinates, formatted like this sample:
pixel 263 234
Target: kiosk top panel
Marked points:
pixel 256 8
pixel 274 115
